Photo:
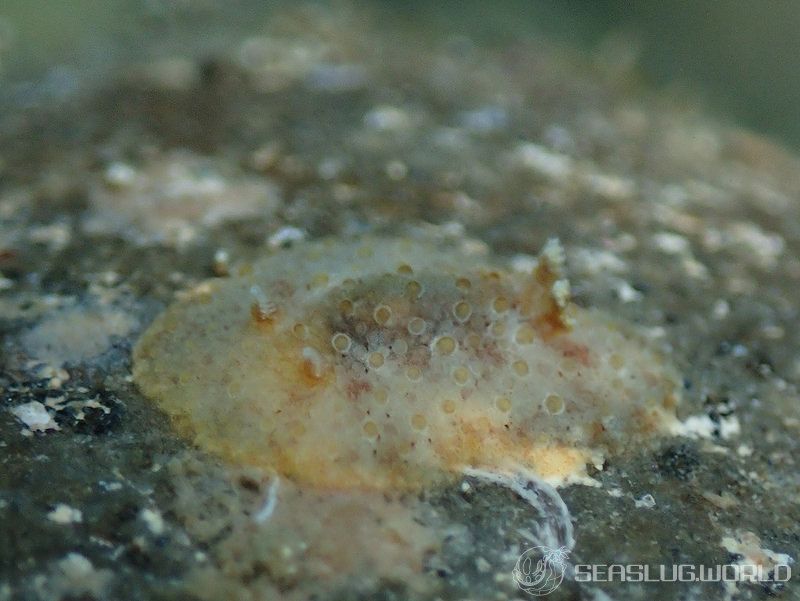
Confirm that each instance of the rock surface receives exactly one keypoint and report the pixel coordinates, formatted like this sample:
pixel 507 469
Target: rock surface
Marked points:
pixel 115 200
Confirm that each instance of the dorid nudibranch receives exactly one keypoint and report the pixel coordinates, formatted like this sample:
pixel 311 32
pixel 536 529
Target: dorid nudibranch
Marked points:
pixel 408 362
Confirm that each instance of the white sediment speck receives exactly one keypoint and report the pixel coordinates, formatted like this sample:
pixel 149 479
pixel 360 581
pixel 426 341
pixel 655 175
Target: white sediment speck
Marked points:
pixel 763 246
pixel 153 519
pixel 596 260
pixel 612 187
pixel 721 309
pixel 645 501
pixel 675 244
pixel 387 118
pixel 453 229
pixel 120 174
pixel 702 426
pixel 671 243
pixel 627 293
pixel 744 451
pixel 694 268
pixel 64 514
pixel 35 417
pixel 75 576
pixel 523 263
pixel 739 350
pixel 221 262
pixel 285 235
pixel 482 565
pixel 78 406
pixel 110 486
pixel 729 427
pixel 554 165
pixel 56 236
pixel 56 375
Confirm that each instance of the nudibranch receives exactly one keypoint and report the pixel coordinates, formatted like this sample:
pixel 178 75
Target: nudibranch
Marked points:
pixel 391 363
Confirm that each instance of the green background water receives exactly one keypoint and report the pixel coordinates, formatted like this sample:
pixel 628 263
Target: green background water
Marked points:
pixel 740 57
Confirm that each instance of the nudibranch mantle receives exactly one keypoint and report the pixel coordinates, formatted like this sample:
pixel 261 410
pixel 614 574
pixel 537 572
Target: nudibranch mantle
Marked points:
pixel 391 363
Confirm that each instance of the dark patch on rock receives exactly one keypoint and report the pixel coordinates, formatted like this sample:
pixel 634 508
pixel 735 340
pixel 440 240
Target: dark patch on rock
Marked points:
pixel 677 461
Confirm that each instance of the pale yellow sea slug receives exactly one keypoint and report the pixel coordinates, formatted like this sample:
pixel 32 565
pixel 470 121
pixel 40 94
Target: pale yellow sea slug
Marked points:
pixel 391 363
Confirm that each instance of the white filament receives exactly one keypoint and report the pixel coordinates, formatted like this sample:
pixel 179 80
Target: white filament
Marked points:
pixel 270 503
pixel 555 530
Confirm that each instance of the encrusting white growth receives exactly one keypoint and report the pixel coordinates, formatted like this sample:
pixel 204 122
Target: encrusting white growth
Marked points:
pixel 395 363
pixel 170 197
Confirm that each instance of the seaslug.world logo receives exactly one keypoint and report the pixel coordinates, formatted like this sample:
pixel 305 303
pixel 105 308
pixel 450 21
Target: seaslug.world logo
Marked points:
pixel 540 570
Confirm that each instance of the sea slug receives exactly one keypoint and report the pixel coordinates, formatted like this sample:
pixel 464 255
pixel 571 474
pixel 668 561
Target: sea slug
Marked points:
pixel 392 363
